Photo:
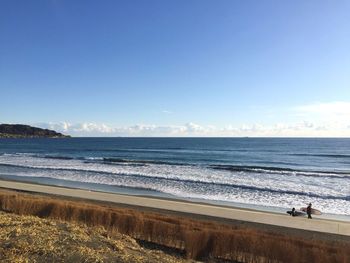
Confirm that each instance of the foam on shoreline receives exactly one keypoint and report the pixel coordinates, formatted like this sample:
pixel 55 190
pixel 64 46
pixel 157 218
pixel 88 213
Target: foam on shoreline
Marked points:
pixel 317 224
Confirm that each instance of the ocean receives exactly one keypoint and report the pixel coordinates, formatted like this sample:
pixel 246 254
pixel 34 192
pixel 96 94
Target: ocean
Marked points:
pixel 262 173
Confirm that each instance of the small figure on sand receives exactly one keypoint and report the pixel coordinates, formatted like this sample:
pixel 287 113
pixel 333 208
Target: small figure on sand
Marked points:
pixel 294 212
pixel 308 211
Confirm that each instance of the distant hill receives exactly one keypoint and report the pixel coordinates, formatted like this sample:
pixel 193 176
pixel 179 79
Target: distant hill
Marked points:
pixel 26 131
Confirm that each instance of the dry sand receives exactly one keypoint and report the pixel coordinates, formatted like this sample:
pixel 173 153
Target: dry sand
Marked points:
pixel 192 208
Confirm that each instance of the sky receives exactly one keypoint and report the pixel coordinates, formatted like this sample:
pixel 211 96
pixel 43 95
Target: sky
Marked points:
pixel 177 68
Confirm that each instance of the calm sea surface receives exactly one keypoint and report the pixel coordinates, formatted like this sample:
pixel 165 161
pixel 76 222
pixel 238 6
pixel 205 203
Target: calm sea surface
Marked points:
pixel 261 172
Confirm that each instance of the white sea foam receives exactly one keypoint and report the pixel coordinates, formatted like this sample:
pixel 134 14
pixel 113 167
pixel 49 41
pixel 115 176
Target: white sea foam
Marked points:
pixel 271 189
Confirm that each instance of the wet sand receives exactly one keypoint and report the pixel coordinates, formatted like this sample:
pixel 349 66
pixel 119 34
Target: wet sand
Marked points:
pixel 191 208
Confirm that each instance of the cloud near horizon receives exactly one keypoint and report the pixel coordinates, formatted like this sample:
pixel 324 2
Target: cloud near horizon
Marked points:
pixel 328 120
pixel 302 129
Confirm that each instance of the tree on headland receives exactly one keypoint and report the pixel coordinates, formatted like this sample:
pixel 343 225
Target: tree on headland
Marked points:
pixel 26 131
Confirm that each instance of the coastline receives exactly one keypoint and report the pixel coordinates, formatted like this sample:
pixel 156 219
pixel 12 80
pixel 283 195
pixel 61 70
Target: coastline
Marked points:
pixel 229 172
pixel 188 234
pixel 124 190
pixel 328 226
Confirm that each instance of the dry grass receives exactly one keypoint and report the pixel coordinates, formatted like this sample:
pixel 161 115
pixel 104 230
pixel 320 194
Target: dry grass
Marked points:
pixel 32 239
pixel 198 239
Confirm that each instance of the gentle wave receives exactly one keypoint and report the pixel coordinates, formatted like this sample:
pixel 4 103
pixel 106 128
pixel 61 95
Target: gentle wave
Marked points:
pixel 57 157
pixel 340 156
pixel 121 160
pixel 233 168
pixel 96 159
pixel 225 167
pixel 188 181
pixel 280 170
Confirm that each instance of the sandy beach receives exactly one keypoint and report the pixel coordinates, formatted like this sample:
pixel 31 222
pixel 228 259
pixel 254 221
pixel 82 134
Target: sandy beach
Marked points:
pixel 221 212
pixel 185 229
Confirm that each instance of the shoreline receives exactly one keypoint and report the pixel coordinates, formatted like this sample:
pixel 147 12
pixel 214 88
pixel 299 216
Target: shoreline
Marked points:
pixel 130 191
pixel 187 235
pixel 225 213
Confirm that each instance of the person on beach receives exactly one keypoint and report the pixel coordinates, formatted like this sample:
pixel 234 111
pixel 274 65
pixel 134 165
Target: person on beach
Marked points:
pixel 308 211
pixel 293 212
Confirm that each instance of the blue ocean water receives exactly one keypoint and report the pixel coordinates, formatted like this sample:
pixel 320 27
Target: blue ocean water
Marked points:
pixel 264 172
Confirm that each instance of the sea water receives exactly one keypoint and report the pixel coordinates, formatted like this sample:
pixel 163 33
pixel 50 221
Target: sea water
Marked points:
pixel 262 173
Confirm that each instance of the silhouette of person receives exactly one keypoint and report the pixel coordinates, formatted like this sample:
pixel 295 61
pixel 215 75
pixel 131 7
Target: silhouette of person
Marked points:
pixel 308 211
pixel 293 212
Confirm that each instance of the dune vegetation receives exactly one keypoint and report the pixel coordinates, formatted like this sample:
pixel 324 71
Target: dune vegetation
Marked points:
pixel 193 238
pixel 33 239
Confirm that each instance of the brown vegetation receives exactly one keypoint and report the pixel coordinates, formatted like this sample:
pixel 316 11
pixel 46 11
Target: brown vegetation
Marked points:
pixel 33 239
pixel 199 239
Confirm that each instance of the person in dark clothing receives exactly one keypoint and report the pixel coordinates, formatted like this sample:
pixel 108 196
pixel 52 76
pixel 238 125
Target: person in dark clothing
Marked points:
pixel 293 212
pixel 308 211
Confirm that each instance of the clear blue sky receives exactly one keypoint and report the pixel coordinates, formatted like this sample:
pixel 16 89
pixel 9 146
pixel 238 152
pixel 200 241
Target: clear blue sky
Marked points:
pixel 184 63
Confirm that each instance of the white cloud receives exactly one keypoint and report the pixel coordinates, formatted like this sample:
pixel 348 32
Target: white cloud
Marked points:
pixel 195 128
pixel 67 127
pixel 331 119
pixel 299 129
pixel 92 127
